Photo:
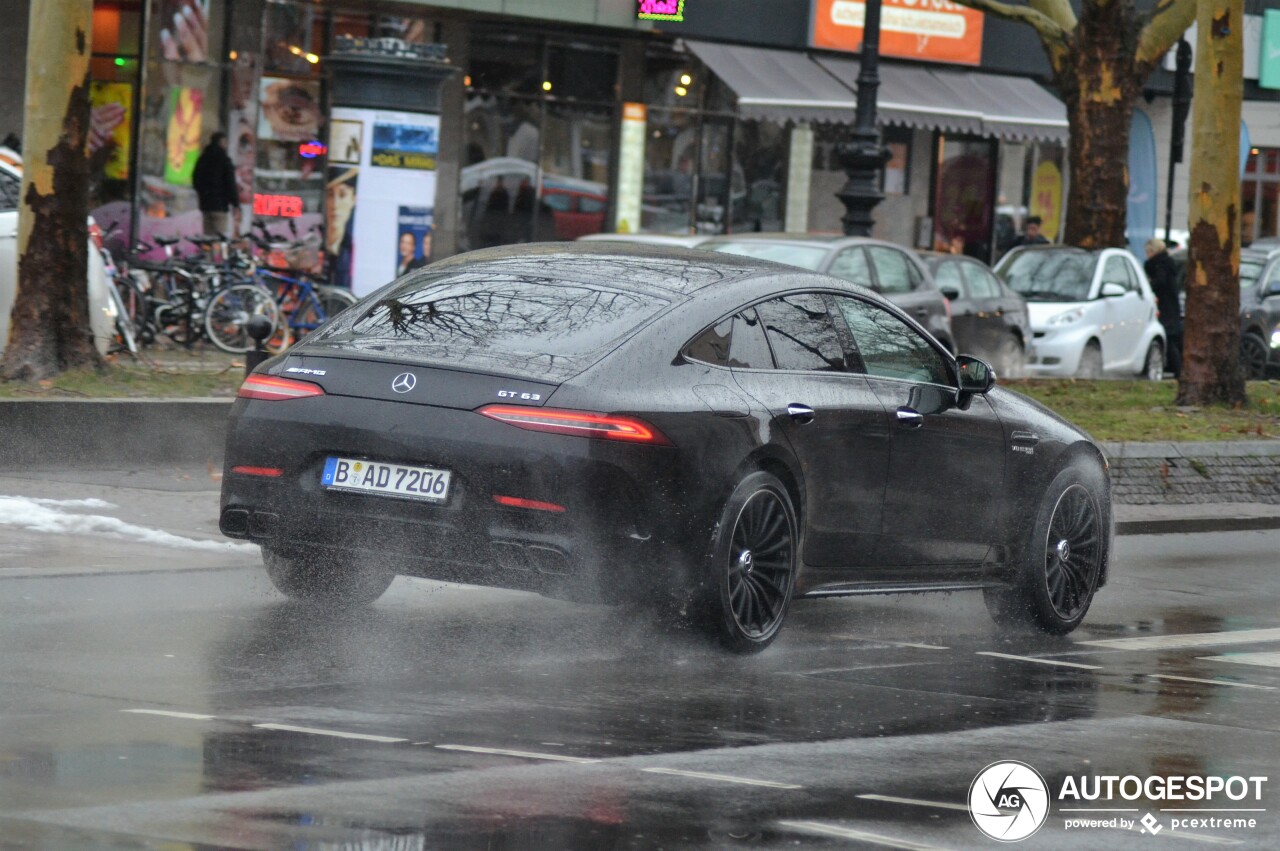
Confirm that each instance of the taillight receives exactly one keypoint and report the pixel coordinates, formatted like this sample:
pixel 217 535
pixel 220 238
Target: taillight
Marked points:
pixel 271 388
pixel 579 423
pixel 266 472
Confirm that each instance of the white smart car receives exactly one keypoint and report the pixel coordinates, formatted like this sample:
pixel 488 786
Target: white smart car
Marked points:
pixel 1092 312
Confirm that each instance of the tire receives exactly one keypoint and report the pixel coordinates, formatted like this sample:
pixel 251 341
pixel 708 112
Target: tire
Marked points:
pixel 1153 364
pixel 753 557
pixel 1090 361
pixel 228 313
pixel 1010 358
pixel 1253 356
pixel 1058 566
pixel 326 579
pixel 332 301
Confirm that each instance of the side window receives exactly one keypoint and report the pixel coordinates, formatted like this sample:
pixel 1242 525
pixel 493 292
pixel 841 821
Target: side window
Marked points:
pixel 889 347
pixel 801 333
pixel 734 341
pixel 1115 271
pixel 894 271
pixel 851 264
pixel 981 284
pixel 947 276
pixel 1133 277
pixel 10 191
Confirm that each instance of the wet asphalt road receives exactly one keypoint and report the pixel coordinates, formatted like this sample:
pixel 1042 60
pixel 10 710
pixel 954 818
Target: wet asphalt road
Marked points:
pixel 179 709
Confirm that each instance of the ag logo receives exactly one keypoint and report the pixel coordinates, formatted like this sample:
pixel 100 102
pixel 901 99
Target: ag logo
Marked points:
pixel 1008 801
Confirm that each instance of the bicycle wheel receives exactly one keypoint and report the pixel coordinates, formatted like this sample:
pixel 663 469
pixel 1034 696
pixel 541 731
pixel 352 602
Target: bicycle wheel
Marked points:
pixel 322 305
pixel 227 316
pixel 124 322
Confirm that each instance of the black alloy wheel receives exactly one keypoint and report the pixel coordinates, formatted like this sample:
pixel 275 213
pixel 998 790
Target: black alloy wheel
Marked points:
pixel 1253 356
pixel 1063 560
pixel 754 564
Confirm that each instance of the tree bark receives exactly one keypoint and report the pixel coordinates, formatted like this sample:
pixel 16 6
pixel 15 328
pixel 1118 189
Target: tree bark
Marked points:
pixel 1211 367
pixel 49 327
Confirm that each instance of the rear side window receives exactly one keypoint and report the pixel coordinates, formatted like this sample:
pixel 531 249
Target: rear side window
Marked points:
pixel 894 271
pixel 947 276
pixel 801 333
pixel 982 284
pixel 851 264
pixel 737 341
pixel 550 329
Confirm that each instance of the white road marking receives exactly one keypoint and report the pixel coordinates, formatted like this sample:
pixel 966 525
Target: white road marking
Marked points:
pixel 337 734
pixel 920 646
pixel 1190 639
pixel 1210 682
pixel 724 778
pixel 1039 661
pixel 556 757
pixel 821 829
pixel 1266 660
pixel 916 802
pixel 1210 810
pixel 191 716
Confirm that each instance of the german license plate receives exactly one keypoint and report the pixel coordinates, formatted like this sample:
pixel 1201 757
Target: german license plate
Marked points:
pixel 355 474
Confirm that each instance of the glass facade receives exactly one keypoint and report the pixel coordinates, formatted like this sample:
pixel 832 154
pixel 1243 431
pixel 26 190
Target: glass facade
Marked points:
pixel 1260 195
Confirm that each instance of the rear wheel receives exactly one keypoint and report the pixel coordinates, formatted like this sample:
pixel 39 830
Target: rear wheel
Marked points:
pixel 325 578
pixel 1153 366
pixel 753 565
pixel 1253 356
pixel 1090 361
pixel 1061 561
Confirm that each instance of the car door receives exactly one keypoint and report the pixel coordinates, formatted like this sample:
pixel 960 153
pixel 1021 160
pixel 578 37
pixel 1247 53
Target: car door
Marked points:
pixel 965 321
pixel 1120 328
pixel 988 304
pixel 832 420
pixel 946 465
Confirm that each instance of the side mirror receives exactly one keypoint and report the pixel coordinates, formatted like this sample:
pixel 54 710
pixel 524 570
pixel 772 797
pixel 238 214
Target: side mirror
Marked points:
pixel 951 293
pixel 1112 291
pixel 976 379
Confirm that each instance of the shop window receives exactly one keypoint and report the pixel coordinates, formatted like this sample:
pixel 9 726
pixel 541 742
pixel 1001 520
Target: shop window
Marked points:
pixel 292 33
pixel 963 196
pixel 760 163
pixel 581 72
pixel 670 155
pixel 497 185
pixel 672 80
pixel 897 171
pixel 506 63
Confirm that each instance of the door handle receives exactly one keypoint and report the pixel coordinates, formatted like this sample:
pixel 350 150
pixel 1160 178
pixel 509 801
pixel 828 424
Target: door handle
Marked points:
pixel 909 418
pixel 800 413
pixel 1025 438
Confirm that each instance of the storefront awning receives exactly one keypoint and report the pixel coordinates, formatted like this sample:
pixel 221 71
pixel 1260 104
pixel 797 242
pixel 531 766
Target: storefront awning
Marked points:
pixel 777 85
pixel 960 101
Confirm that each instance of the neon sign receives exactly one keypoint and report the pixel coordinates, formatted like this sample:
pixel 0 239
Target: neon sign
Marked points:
pixel 289 206
pixel 311 150
pixel 660 10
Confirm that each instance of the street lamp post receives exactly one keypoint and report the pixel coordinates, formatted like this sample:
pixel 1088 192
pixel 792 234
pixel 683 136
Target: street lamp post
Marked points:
pixel 863 156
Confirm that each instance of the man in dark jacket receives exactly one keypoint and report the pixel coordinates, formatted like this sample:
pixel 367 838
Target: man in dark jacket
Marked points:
pixel 1031 234
pixel 1162 272
pixel 214 179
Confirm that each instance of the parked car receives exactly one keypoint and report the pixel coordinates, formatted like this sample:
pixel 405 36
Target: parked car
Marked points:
pixel 682 240
pixel 1092 312
pixel 891 270
pixel 102 311
pixel 1259 307
pixel 678 430
pixel 989 320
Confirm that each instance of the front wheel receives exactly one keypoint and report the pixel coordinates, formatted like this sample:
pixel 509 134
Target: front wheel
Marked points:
pixel 227 316
pixel 325 578
pixel 753 564
pixel 1253 356
pixel 1153 366
pixel 1061 561
pixel 1090 361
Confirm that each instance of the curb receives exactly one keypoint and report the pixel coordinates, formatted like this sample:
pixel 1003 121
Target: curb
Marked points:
pixel 1195 449
pixel 108 432
pixel 1192 525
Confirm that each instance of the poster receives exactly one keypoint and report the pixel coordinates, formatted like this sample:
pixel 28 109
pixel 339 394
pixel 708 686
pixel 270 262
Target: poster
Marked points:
pixel 413 239
pixel 109 125
pixel 396 194
pixel 630 169
pixel 182 134
pixel 938 31
pixel 289 110
pixel 406 141
pixel 1046 198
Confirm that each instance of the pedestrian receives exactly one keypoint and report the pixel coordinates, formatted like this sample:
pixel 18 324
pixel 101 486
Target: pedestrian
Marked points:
pixel 1031 233
pixel 214 180
pixel 1162 272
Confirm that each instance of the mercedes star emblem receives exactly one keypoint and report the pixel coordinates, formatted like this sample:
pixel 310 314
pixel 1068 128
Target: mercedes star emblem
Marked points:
pixel 404 382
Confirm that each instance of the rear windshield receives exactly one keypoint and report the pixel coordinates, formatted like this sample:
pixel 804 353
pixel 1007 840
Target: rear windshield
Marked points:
pixel 1049 275
pixel 536 328
pixel 804 256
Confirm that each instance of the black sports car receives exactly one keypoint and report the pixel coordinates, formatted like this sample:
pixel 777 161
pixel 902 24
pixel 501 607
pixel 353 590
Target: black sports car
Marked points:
pixel 699 432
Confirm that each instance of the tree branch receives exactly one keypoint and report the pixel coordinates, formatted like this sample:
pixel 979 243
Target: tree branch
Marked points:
pixel 1046 19
pixel 1165 25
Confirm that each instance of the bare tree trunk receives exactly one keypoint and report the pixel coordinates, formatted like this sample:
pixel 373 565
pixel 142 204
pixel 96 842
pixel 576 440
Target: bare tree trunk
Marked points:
pixel 1098 154
pixel 1211 363
pixel 49 327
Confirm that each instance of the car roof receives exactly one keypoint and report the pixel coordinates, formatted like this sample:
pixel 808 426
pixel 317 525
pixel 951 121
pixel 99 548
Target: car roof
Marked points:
pixel 817 240
pixel 623 265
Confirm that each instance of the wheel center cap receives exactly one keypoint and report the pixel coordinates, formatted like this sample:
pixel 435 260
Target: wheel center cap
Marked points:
pixel 1063 549
pixel 745 561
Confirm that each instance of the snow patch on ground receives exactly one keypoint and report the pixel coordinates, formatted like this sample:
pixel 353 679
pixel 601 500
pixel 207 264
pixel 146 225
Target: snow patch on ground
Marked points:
pixel 50 516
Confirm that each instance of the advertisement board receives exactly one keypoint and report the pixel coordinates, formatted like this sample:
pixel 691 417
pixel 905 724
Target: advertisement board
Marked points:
pixel 931 30
pixel 381 193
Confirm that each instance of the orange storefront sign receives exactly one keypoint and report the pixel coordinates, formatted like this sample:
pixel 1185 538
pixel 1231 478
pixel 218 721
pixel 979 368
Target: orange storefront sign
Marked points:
pixel 935 30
